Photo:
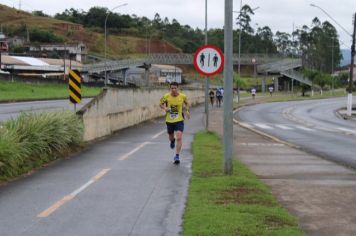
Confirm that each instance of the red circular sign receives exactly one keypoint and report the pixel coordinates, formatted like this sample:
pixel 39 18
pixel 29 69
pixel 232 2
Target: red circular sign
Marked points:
pixel 208 60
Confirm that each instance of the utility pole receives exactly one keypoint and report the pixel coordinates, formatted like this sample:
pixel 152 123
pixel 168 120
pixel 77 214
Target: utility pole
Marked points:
pixel 349 97
pixel 64 61
pixel 206 77
pixel 239 62
pixel 332 66
pixel 228 89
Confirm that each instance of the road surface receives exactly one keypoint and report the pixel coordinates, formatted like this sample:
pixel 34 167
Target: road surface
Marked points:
pixel 311 125
pixel 12 110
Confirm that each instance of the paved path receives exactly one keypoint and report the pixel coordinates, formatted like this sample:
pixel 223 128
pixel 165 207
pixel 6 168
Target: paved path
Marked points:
pixel 124 185
pixel 320 193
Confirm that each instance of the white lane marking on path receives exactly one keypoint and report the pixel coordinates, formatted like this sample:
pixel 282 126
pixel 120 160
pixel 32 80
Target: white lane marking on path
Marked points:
pixel 263 126
pixel 69 197
pixel 157 135
pixel 284 127
pixel 347 130
pixel 303 128
pixel 325 129
pixel 262 144
pixel 127 155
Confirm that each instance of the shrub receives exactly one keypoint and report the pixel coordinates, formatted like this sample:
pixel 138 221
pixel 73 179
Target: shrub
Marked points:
pixel 31 140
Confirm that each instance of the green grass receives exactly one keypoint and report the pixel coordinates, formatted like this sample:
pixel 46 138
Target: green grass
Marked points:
pixel 13 91
pixel 239 204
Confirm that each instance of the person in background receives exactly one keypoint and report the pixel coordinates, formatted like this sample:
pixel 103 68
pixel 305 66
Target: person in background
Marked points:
pixel 218 97
pixel 270 90
pixel 212 96
pixel 253 93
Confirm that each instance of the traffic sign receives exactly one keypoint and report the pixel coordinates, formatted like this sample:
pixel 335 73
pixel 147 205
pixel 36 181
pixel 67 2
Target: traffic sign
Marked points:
pixel 75 92
pixel 208 60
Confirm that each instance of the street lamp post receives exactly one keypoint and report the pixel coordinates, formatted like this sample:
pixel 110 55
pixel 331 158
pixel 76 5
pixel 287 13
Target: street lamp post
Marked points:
pixel 228 90
pixel 239 57
pixel 349 96
pixel 105 43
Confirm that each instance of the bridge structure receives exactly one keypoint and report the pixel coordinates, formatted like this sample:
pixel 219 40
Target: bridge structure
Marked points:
pixel 287 68
pixel 172 59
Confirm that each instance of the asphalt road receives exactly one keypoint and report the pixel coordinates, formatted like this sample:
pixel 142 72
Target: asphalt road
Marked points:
pixel 12 110
pixel 311 125
pixel 124 185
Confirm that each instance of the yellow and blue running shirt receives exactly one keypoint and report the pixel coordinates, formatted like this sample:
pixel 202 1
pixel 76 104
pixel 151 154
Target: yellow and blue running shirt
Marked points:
pixel 175 104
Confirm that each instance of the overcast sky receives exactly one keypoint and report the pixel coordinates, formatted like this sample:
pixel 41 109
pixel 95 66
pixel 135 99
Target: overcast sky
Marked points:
pixel 279 15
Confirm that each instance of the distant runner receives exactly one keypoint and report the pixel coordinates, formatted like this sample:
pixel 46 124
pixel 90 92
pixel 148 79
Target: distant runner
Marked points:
pixel 253 93
pixel 270 90
pixel 212 95
pixel 173 103
pixel 219 97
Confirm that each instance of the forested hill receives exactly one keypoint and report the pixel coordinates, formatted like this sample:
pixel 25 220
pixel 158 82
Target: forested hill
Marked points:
pixel 42 28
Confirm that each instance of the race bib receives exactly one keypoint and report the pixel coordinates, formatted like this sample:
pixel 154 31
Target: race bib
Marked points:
pixel 173 116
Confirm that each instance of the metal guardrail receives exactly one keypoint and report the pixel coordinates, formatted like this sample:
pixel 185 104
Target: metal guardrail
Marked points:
pixel 111 65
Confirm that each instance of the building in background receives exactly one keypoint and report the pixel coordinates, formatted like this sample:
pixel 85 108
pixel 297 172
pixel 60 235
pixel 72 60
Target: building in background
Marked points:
pixel 158 74
pixel 77 51
pixel 4 45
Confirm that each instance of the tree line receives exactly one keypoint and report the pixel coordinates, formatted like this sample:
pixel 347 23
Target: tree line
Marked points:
pixel 317 45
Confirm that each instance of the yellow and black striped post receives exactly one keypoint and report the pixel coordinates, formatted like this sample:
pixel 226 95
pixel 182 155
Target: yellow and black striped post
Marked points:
pixel 75 91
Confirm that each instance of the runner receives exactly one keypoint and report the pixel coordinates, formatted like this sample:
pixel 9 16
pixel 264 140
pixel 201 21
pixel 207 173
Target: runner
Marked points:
pixel 253 93
pixel 212 95
pixel 173 103
pixel 270 90
pixel 219 97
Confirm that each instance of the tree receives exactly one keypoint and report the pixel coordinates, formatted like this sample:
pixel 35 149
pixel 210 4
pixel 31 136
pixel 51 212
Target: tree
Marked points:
pixel 283 42
pixel 39 13
pixel 244 19
pixel 320 46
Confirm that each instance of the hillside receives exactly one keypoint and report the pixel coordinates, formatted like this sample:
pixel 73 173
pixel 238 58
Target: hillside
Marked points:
pixel 119 46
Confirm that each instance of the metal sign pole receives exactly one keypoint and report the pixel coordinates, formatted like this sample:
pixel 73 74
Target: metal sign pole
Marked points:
pixel 206 77
pixel 228 89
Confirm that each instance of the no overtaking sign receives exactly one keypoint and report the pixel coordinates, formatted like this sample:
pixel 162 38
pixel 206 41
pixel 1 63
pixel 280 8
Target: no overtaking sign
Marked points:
pixel 209 60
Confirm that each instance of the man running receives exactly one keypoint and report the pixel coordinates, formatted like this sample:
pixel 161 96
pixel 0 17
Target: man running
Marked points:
pixel 219 97
pixel 173 104
pixel 270 90
pixel 212 96
pixel 253 93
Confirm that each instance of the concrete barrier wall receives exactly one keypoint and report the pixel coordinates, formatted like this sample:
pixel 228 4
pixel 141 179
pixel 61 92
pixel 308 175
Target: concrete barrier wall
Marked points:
pixel 118 108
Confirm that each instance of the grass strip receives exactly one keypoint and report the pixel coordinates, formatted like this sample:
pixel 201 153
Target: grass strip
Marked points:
pixel 15 91
pixel 239 204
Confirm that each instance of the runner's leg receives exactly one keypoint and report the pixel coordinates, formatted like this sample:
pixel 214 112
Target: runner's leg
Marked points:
pixel 170 131
pixel 179 136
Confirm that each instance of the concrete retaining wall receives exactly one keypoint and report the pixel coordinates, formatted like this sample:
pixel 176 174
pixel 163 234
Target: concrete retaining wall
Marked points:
pixel 118 108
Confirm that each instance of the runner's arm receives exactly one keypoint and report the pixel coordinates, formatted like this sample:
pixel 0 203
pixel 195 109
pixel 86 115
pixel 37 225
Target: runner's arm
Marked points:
pixel 163 105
